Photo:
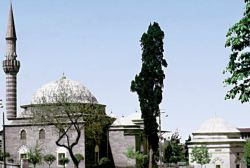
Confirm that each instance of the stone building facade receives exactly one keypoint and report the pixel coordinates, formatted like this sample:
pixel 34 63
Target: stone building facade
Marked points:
pixel 224 143
pixel 126 132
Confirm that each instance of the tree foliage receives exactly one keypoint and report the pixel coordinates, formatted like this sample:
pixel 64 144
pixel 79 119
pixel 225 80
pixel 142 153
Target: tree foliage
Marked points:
pixel 238 39
pixel 63 161
pixel 69 116
pixel 49 159
pixel 200 155
pixel 149 82
pixel 35 156
pixel 138 156
pixel 247 153
pixel 79 157
pixel 174 150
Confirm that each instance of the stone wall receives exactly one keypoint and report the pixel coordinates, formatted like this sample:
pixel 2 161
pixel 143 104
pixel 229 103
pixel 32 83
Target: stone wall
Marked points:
pixel 119 144
pixel 15 146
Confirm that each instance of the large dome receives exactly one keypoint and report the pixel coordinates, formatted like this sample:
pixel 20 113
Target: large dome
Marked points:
pixel 216 125
pixel 63 90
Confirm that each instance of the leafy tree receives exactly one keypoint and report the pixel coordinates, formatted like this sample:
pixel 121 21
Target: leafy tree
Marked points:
pixel 200 155
pixel 149 83
pixel 63 161
pixel 174 151
pixel 186 148
pixel 247 153
pixel 49 159
pixel 69 116
pixel 238 39
pixel 35 156
pixel 79 157
pixel 2 155
pixel 138 156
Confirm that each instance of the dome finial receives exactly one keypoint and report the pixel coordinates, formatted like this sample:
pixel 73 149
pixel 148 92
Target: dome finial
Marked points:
pixel 63 76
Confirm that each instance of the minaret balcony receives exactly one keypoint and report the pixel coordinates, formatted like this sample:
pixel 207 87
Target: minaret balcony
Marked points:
pixel 11 66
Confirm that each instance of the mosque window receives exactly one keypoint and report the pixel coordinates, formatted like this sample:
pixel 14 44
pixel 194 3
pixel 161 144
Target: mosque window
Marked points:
pixel 23 135
pixel 41 134
pixel 60 156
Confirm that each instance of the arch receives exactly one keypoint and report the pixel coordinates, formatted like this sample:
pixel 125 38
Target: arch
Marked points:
pixel 23 134
pixel 41 134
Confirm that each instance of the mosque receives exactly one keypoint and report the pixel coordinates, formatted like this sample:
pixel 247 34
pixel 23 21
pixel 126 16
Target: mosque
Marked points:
pixel 21 135
pixel 224 141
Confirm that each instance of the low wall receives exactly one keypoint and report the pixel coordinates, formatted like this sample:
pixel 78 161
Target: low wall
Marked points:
pixel 9 165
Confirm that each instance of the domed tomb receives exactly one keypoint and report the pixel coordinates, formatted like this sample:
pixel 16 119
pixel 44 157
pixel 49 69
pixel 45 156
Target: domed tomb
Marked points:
pixel 63 90
pixel 216 125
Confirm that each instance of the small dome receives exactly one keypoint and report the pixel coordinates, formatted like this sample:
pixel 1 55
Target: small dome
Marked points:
pixel 128 120
pixel 217 125
pixel 63 90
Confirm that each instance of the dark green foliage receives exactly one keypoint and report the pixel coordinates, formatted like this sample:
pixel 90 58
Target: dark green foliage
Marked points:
pixel 149 83
pixel 140 158
pixel 79 157
pixel 63 161
pixel 238 39
pixel 49 159
pixel 247 153
pixel 105 163
pixel 7 155
pixel 186 148
pixel 174 150
pixel 200 155
pixel 35 156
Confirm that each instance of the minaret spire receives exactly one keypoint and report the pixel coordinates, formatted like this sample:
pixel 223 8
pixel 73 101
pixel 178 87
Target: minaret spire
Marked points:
pixel 11 67
pixel 11 31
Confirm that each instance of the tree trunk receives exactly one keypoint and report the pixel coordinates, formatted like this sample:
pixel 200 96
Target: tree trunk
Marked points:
pixel 73 157
pixel 150 158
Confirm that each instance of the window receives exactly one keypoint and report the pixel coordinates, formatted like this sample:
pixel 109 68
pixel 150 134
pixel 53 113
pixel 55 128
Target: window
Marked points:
pixel 237 166
pixel 217 166
pixel 23 135
pixel 41 134
pixel 23 156
pixel 59 157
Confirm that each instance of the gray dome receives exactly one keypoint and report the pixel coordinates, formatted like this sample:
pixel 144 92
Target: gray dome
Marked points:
pixel 63 90
pixel 217 125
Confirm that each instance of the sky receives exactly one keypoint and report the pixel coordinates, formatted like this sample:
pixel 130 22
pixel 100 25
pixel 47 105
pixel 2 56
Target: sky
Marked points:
pixel 98 44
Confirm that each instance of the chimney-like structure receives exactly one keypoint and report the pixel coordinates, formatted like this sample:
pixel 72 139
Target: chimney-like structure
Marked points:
pixel 11 67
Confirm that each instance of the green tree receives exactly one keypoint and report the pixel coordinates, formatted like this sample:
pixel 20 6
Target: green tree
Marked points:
pixel 79 158
pixel 174 150
pixel 149 83
pixel 35 156
pixel 138 156
pixel 238 39
pixel 49 159
pixel 247 153
pixel 200 155
pixel 63 161
pixel 69 116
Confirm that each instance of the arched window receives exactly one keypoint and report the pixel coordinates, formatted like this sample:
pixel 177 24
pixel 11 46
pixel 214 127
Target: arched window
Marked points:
pixel 41 134
pixel 23 135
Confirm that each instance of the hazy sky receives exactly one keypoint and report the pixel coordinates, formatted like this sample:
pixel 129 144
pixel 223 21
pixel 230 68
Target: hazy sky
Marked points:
pixel 97 43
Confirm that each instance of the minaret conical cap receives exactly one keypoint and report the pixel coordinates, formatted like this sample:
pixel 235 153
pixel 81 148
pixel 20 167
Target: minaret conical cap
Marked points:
pixel 11 31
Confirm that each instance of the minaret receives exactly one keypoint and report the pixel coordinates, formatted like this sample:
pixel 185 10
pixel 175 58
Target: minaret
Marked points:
pixel 11 67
